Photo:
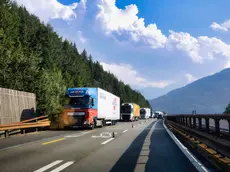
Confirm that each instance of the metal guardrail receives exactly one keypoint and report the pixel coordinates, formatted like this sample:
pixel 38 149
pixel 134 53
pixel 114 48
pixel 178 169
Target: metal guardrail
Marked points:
pixel 215 151
pixel 191 121
pixel 28 120
pixel 37 122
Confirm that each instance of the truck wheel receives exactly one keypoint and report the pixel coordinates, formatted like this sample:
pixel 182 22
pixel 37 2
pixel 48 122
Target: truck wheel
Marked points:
pixel 102 123
pixel 93 125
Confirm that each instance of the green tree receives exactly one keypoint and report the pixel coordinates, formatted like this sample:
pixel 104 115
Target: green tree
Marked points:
pixel 51 91
pixel 34 58
pixel 227 109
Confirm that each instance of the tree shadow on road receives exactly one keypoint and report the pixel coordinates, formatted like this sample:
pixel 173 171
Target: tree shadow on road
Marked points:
pixel 128 160
pixel 165 155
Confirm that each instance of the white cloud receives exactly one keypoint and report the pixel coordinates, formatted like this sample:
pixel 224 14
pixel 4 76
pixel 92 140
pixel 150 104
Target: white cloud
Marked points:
pixel 125 25
pixel 127 22
pixel 199 49
pixel 184 42
pixel 128 75
pixel 81 37
pixel 51 9
pixel 123 22
pixel 227 65
pixel 190 78
pixel 221 27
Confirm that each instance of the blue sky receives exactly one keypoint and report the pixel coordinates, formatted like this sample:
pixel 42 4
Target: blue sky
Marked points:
pixel 153 45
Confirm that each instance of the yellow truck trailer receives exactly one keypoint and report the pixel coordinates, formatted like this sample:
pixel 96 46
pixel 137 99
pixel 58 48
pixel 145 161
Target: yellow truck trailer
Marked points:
pixel 130 112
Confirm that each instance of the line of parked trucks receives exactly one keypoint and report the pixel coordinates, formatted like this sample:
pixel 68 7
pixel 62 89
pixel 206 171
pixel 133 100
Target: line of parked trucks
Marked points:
pixel 93 107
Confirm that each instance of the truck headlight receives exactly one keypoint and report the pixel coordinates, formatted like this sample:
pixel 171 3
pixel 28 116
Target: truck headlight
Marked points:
pixel 86 122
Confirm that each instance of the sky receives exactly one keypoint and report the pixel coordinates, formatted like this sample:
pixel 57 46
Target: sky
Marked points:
pixel 153 45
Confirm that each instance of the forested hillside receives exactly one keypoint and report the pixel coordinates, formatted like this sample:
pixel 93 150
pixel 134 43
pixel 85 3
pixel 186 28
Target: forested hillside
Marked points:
pixel 34 58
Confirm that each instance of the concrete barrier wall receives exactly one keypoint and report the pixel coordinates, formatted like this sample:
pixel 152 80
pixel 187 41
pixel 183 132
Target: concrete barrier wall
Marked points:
pixel 16 106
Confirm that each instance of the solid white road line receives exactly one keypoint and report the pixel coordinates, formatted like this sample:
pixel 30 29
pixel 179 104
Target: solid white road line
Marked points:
pixel 199 166
pixel 63 166
pixel 48 166
pixel 124 131
pixel 78 135
pixel 107 141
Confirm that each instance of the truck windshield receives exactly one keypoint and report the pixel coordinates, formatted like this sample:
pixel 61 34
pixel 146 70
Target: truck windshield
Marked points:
pixel 81 101
pixel 143 111
pixel 126 109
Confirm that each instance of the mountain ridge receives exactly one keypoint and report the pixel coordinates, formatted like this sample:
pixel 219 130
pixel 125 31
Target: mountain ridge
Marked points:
pixel 210 94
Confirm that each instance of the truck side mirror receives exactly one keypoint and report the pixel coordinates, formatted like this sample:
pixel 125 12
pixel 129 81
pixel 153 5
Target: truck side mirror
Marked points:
pixel 92 101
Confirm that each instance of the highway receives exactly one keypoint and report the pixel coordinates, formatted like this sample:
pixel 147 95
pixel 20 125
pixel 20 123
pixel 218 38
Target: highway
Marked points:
pixel 145 147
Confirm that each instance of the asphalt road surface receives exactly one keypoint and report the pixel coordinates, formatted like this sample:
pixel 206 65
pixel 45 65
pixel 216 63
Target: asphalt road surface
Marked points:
pixel 144 147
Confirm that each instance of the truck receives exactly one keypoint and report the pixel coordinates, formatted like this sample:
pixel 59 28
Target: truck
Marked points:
pixel 158 114
pixel 90 107
pixel 130 112
pixel 145 113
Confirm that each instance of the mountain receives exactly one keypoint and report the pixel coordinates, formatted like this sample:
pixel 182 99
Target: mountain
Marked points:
pixel 208 95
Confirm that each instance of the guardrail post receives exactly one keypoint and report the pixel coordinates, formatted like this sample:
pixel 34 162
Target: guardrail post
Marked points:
pixel 177 120
pixel 186 121
pixel 194 122
pixel 217 126
pixel 207 124
pixel 23 131
pixel 200 123
pixel 190 122
pixel 6 133
pixel 229 127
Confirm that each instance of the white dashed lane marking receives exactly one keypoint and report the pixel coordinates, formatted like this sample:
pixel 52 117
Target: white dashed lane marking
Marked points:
pixel 60 168
pixel 107 141
pixel 124 131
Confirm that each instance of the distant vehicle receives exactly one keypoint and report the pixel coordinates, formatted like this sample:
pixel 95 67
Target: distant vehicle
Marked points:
pixel 145 113
pixel 90 107
pixel 158 114
pixel 130 112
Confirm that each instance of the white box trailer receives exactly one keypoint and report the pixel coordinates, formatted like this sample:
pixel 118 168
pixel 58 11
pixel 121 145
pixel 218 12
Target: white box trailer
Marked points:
pixel 108 106
pixel 148 113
